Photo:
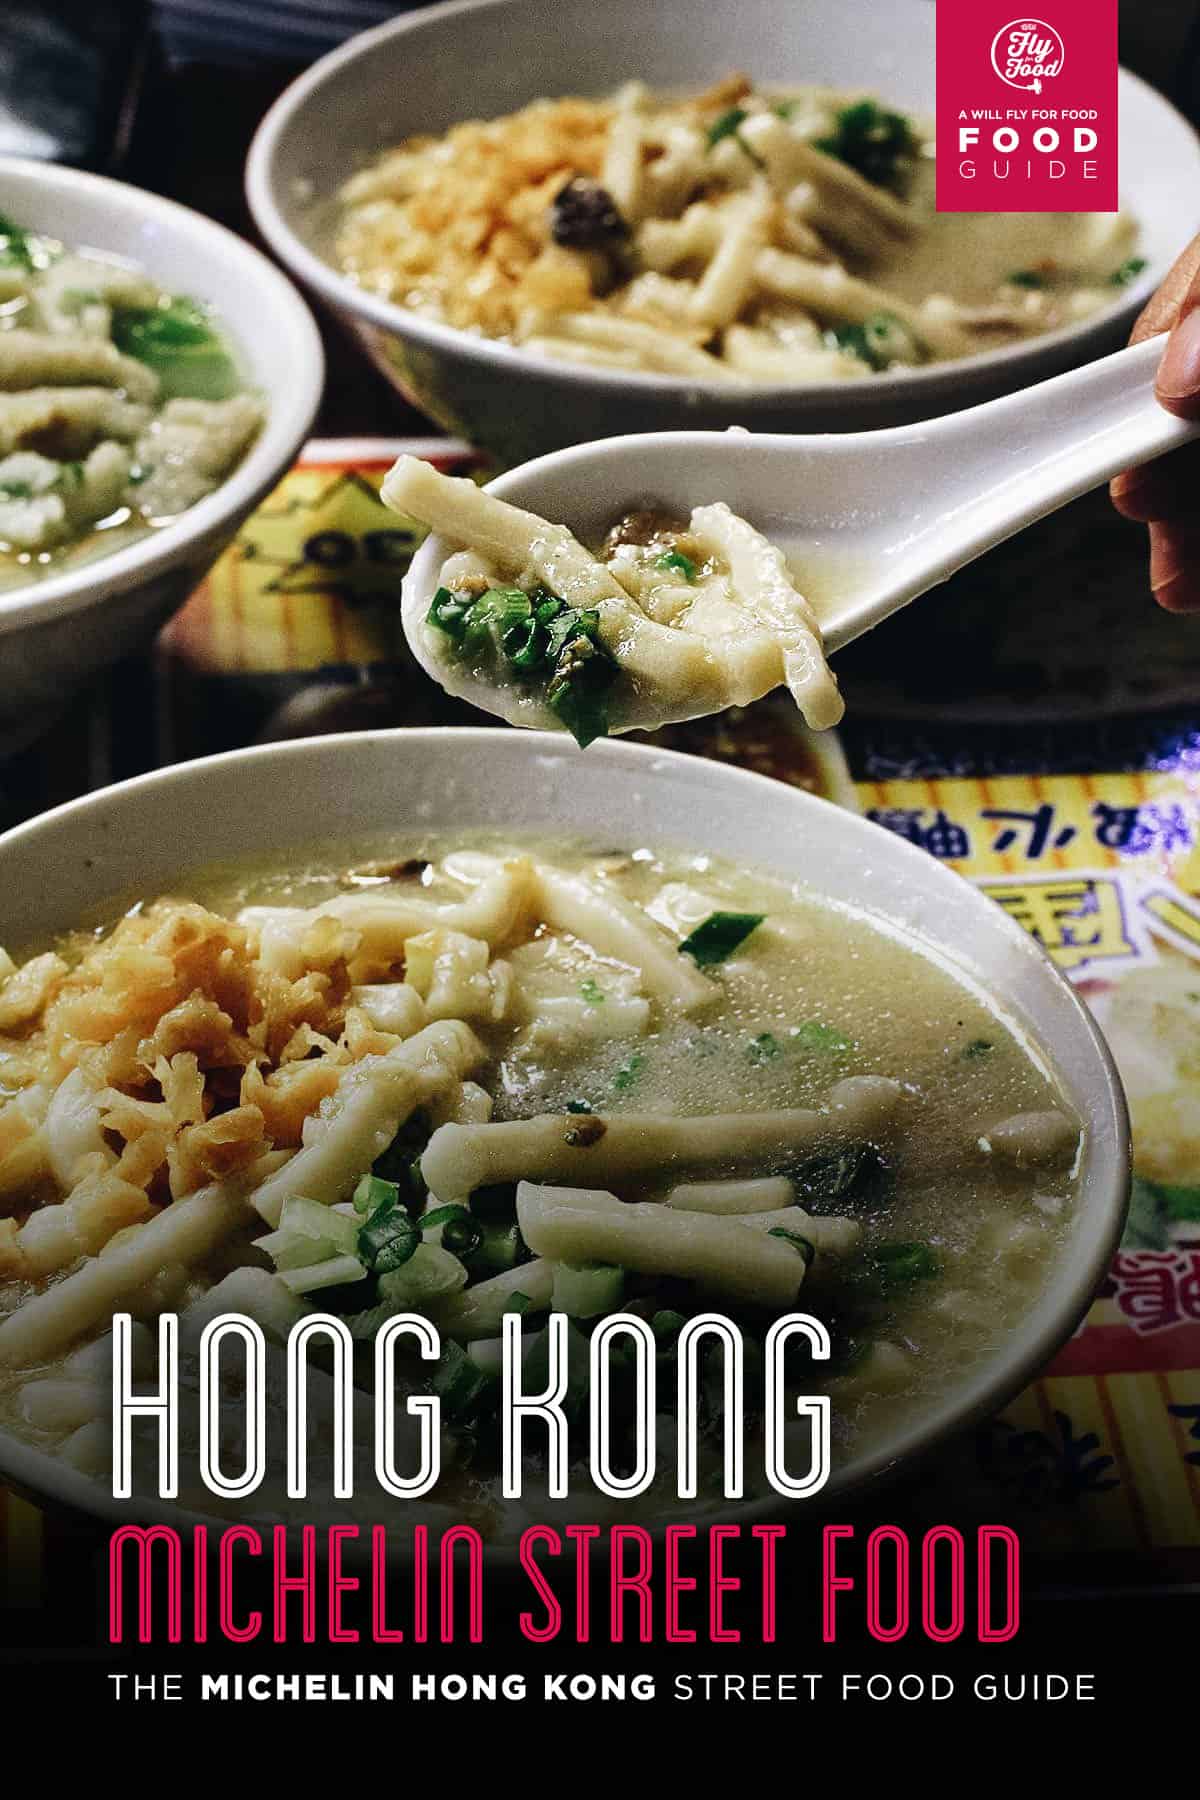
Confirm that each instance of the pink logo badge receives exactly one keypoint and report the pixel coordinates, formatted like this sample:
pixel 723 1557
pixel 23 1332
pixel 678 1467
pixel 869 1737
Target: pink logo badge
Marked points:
pixel 1027 107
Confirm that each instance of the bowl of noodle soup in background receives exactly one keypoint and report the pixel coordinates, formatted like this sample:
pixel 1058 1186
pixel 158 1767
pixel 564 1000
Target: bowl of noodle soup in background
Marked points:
pixel 90 860
pixel 425 73
pixel 81 613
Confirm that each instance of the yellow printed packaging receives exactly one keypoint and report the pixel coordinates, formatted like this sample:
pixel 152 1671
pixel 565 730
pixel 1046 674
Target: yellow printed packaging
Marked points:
pixel 1102 1453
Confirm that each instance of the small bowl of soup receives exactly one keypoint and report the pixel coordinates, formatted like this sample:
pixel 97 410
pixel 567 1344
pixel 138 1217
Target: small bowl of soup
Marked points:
pixel 479 1025
pixel 157 376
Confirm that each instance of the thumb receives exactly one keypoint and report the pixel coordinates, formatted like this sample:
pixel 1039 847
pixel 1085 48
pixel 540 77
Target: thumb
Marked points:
pixel 1178 381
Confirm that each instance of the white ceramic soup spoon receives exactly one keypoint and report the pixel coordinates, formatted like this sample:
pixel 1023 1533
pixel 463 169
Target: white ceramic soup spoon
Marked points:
pixel 868 520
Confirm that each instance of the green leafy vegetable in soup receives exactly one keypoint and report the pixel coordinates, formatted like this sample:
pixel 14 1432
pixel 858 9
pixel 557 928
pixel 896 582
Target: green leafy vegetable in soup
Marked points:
pixel 719 936
pixel 179 342
pixel 879 144
pixel 120 405
pixel 15 251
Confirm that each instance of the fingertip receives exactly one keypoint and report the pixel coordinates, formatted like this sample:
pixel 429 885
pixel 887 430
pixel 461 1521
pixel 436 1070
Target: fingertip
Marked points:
pixel 1182 405
pixel 1175 567
pixel 1177 383
pixel 1163 489
pixel 1179 594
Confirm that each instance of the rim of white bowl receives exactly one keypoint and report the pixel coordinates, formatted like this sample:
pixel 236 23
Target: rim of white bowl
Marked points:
pixel 289 418
pixel 340 291
pixel 999 1376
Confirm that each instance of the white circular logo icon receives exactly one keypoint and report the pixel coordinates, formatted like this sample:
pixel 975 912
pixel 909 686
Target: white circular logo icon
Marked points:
pixel 1027 53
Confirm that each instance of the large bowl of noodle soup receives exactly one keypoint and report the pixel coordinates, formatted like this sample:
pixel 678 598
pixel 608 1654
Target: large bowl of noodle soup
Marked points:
pixel 871 979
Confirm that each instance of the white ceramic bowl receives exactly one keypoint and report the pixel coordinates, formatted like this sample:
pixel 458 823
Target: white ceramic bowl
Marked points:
pixel 57 631
pixel 480 58
pixel 139 836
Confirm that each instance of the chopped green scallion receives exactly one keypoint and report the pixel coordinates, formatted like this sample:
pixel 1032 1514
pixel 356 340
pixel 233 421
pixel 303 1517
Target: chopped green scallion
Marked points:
pixel 388 1239
pixel 459 1383
pixel 675 559
pixel 804 1245
pixel 826 1180
pixel 443 1215
pixel 880 341
pixel 14 245
pixel 525 644
pixel 718 936
pixel 729 125
pixel 373 1194
pixel 448 613
pixel 537 635
pixel 462 1237
pixel 813 1035
pixel 896 1265
pixel 725 126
